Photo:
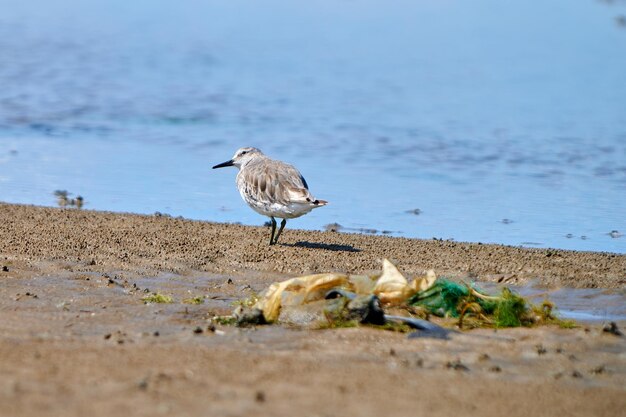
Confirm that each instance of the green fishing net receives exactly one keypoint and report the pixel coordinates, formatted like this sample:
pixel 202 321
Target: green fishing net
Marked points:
pixel 446 298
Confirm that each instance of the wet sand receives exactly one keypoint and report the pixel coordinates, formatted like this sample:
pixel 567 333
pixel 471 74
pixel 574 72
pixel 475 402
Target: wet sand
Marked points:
pixel 77 339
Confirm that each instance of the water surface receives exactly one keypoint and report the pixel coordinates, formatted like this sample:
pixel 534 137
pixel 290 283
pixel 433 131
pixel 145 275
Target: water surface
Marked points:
pixel 500 121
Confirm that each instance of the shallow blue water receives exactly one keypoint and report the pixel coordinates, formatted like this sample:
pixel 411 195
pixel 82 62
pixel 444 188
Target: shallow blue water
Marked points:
pixel 500 121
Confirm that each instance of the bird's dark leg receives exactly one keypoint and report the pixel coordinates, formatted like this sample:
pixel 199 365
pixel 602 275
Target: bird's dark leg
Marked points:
pixel 282 226
pixel 273 230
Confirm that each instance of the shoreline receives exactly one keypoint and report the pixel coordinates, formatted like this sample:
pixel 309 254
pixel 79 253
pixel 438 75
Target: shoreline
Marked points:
pixel 156 244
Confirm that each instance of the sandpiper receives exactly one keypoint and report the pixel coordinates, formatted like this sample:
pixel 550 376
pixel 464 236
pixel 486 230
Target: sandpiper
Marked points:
pixel 271 188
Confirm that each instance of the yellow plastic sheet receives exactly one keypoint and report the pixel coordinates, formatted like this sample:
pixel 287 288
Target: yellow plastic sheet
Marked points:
pixel 391 287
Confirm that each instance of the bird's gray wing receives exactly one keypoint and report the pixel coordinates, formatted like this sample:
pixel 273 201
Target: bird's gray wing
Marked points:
pixel 277 182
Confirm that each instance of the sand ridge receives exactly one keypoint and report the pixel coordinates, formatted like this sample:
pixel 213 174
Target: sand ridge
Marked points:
pixel 152 244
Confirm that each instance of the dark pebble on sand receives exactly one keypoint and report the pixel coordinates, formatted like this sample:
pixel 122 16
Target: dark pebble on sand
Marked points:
pixel 457 365
pixel 598 370
pixel 333 227
pixel 143 384
pixel 259 397
pixel 198 330
pixel 612 329
pixel 5 268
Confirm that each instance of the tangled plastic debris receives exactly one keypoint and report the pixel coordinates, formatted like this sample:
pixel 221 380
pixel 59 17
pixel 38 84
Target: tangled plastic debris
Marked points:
pixel 341 300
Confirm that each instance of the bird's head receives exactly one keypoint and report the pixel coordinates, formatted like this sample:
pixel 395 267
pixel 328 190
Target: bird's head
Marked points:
pixel 241 157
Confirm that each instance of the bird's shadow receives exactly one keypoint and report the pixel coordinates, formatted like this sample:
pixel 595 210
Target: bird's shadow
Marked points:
pixel 324 246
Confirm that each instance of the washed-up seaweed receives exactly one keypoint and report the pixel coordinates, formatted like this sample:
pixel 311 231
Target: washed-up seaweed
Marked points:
pixel 446 298
pixel 474 308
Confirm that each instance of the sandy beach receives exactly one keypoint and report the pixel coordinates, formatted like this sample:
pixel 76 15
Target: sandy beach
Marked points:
pixel 76 337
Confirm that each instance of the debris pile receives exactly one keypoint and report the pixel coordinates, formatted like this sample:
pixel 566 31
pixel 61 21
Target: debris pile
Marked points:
pixel 389 299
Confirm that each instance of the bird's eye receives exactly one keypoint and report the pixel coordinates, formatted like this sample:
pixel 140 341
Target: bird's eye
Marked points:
pixel 244 152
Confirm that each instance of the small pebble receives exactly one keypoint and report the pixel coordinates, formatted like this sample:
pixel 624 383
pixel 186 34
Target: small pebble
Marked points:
pixel 495 368
pixel 576 374
pixel 612 329
pixel 5 268
pixel 333 227
pixel 598 370
pixel 198 330
pixel 259 397
pixel 457 366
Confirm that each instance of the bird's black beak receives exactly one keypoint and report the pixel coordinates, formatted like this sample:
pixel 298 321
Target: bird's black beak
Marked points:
pixel 224 164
